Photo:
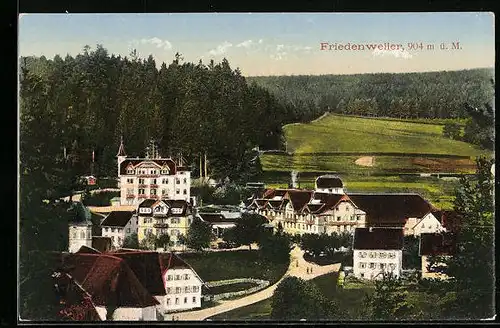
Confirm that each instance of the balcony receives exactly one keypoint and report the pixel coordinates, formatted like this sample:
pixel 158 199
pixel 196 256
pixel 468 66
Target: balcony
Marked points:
pixel 130 196
pixel 154 196
pixel 143 196
pixel 148 175
pixel 153 185
pixel 161 225
pixel 142 186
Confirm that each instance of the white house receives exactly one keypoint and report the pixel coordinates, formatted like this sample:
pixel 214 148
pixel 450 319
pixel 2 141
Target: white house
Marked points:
pixel 118 225
pixel 152 177
pixel 182 284
pixel 80 227
pixel 219 222
pixel 330 184
pixel 377 250
pixel 430 223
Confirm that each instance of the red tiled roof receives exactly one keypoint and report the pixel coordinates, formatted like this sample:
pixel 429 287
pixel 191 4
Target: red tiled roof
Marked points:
pixel 171 260
pixel 391 210
pixel 437 244
pixel 299 198
pixel 378 238
pixel 108 279
pixel 88 250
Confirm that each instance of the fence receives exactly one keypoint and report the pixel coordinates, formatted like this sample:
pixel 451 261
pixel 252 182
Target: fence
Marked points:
pixel 261 284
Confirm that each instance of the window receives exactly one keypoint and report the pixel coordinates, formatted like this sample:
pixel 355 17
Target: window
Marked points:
pixel 128 230
pixel 185 180
pixel 382 266
pixel 82 234
pixel 177 277
pixel 184 192
pixel 186 277
pixel 169 290
pixel 130 180
pixel 168 301
pixel 187 289
pixel 164 171
pixel 338 218
pixel 392 266
pixel 114 230
pixel 196 289
pixel 362 275
pixel 164 181
pixel 371 255
pixel 194 299
pixel 141 191
pixel 382 255
pixel 163 192
pixel 74 235
pixel 392 255
pixel 153 181
pixel 169 277
pixel 177 191
pixel 362 265
pixel 174 220
pixel 336 208
pixel 176 300
pixel 141 181
pixel 372 265
pixel 178 290
pixel 153 191
pixel 106 229
pixel 347 207
pixel 119 240
pixel 185 300
pixel 130 171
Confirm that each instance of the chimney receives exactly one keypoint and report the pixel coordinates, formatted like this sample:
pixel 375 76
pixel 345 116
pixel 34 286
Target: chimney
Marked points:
pixel 293 175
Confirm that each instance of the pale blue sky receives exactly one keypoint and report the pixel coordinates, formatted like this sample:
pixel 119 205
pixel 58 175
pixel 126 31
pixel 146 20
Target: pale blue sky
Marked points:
pixel 271 43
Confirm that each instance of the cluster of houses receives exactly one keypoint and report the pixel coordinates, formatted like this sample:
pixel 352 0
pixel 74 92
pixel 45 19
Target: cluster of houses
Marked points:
pixel 146 283
pixel 127 284
pixel 378 222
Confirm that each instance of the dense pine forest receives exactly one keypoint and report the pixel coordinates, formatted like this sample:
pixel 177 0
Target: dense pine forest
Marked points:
pixel 88 102
pixel 403 95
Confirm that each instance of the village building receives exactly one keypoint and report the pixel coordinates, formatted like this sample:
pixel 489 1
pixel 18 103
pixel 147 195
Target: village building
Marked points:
pixel 152 177
pixel 442 245
pixel 157 217
pixel 182 284
pixel 118 225
pixel 330 184
pixel 377 251
pixel 80 227
pixel 113 288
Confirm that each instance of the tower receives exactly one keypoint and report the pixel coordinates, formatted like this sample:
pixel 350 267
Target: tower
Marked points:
pixel 121 155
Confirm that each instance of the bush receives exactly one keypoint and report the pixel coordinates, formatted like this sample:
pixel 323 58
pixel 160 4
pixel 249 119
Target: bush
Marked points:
pixel 99 198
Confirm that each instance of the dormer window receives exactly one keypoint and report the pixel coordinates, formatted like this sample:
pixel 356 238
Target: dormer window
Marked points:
pixel 130 171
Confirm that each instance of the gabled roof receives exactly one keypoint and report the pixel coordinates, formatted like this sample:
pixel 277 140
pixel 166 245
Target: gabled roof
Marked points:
pixel 146 267
pixel 177 204
pixel 121 149
pixel 328 181
pixel 138 161
pixel 390 210
pixel 277 204
pixel 88 250
pixel 315 208
pixel 299 198
pixel 117 219
pixel 108 279
pixel 147 203
pixel 378 238
pixel 437 244
pixel 170 261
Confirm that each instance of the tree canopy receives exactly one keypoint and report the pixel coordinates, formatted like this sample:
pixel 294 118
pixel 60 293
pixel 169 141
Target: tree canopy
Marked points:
pixel 199 235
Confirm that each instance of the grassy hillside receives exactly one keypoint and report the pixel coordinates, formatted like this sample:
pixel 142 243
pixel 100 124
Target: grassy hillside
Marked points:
pixel 338 133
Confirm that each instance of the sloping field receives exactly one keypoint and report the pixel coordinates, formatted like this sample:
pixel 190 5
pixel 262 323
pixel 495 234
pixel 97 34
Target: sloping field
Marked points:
pixel 338 133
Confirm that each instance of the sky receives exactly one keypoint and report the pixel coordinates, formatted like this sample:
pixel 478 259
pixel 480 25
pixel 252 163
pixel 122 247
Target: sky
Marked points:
pixel 275 43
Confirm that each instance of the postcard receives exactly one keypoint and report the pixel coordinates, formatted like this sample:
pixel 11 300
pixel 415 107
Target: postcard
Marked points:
pixel 256 167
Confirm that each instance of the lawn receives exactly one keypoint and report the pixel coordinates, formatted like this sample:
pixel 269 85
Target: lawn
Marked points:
pixel 257 311
pixel 338 133
pixel 214 266
pixel 230 288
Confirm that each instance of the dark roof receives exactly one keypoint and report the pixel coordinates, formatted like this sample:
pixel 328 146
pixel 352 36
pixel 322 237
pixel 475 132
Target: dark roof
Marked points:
pixel 215 218
pixel 391 210
pixel 108 279
pixel 299 198
pixel 100 243
pixel 147 202
pixel 328 181
pixel 146 267
pixel 277 204
pixel 75 299
pixel 136 161
pixel 437 244
pixel 378 238
pixel 315 208
pixel 177 203
pixel 88 250
pixel 117 219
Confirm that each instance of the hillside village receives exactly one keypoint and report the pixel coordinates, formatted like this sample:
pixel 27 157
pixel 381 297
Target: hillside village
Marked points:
pixel 154 201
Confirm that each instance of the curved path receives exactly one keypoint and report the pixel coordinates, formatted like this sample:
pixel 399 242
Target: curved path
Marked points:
pixel 296 257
